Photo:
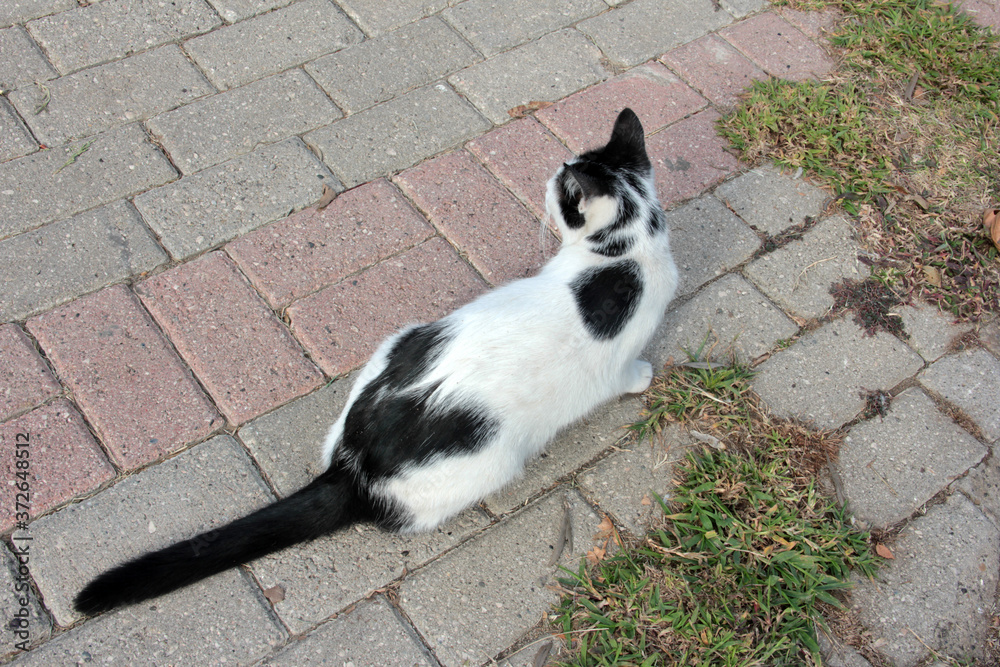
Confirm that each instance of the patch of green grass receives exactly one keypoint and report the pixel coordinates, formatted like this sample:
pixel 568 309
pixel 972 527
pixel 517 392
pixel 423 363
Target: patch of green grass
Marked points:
pixel 748 553
pixel 822 128
pixel 686 394
pixel 951 55
pixel 906 133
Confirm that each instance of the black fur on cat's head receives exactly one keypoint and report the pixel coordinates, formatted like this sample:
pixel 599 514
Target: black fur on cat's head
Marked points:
pixel 599 196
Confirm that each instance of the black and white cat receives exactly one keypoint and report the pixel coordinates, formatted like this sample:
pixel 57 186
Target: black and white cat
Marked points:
pixel 447 413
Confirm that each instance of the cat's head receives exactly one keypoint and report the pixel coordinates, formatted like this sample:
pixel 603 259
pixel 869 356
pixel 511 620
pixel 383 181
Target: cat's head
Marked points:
pixel 597 196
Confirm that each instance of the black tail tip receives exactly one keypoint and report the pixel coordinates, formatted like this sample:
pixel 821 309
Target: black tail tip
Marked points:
pixel 95 598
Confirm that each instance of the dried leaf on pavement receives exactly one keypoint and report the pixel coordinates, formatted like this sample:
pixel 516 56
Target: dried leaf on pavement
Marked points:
pixel 329 194
pixel 275 594
pixel 523 110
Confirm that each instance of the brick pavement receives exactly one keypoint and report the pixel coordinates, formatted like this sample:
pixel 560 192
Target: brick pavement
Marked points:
pixel 178 326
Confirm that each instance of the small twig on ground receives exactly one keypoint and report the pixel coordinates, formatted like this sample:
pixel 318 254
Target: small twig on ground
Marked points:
pixel 795 285
pixel 77 153
pixel 46 97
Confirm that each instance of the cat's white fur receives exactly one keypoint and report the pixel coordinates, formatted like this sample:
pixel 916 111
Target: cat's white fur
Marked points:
pixel 523 351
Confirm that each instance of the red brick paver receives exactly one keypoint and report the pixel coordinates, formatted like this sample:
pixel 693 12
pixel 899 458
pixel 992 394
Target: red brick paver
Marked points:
pixel 689 157
pixel 312 249
pixel 714 67
pixel 524 156
pixel 139 396
pixel 815 24
pixel 342 325
pixel 25 380
pixel 476 213
pixel 585 120
pixel 63 460
pixel 236 346
pixel 780 48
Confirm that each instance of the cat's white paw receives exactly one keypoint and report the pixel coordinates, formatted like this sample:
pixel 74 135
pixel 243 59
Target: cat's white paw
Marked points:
pixel 642 375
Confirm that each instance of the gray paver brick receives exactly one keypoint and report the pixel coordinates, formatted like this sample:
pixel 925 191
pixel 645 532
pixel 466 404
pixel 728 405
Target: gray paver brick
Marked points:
pixel 982 487
pixel 822 376
pixel 770 200
pixel 205 487
pixel 627 482
pixel 236 10
pixel 382 68
pixel 838 654
pixel 215 622
pixel 892 465
pixel 287 443
pixel 267 44
pixel 60 261
pixel 97 99
pixel 21 62
pixel 114 29
pixel 494 26
pixel 324 576
pixel 377 16
pixel 41 187
pixel 644 29
pixel 940 586
pixel 219 203
pixel 930 330
pixel 19 11
pixel 16 11
pixel 528 654
pixel 970 380
pixel 480 598
pixel 15 140
pixel 15 580
pixel 547 69
pixel 798 276
pixel 370 634
pixel 396 134
pixel 989 335
pixel 707 240
pixel 741 8
pixel 729 317
pixel 214 129
pixel 571 449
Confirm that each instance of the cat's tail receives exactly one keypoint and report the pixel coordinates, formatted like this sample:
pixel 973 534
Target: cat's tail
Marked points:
pixel 330 502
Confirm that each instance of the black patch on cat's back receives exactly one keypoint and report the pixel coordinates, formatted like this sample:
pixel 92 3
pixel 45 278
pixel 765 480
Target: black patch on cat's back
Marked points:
pixel 413 355
pixel 394 421
pixel 607 297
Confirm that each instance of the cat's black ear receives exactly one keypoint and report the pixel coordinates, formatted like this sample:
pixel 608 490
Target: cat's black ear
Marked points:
pixel 588 186
pixel 628 140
